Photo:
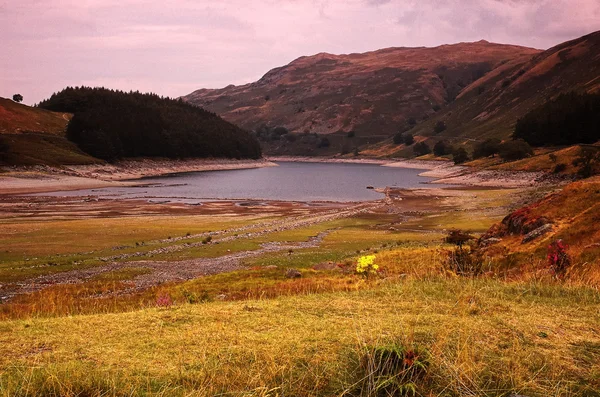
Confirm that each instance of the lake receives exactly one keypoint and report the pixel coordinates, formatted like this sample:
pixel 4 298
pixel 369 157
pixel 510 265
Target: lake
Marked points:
pixel 290 181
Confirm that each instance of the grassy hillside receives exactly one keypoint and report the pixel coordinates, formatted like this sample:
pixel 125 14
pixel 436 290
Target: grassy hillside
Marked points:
pixel 33 136
pixel 491 106
pixel 574 216
pixel 257 332
pixel 372 94
pixel 16 118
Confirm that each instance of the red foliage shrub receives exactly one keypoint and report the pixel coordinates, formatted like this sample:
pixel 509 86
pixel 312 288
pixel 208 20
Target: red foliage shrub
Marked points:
pixel 558 258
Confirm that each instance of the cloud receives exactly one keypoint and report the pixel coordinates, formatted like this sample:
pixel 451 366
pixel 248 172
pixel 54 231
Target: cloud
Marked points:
pixel 175 46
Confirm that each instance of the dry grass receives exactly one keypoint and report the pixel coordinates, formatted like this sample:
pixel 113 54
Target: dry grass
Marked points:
pixel 486 338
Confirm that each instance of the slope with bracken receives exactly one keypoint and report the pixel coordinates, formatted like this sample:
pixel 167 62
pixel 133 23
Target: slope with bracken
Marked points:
pixel 571 215
pixel 491 106
pixel 371 94
pixel 33 136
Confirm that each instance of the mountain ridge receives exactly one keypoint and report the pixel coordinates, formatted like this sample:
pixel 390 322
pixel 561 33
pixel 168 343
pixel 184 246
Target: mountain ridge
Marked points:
pixel 372 96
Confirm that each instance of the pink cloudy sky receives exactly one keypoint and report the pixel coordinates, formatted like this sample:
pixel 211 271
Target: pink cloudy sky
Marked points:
pixel 173 47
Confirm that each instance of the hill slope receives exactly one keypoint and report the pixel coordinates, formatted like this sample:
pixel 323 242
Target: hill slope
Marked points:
pixel 33 136
pixel 372 94
pixel 491 106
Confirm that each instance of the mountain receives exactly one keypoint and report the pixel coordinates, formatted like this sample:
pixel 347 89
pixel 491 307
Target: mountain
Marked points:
pixel 372 95
pixel 33 136
pixel 491 106
pixel 473 91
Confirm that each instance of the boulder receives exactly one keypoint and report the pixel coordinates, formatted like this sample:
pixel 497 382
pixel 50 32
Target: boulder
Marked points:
pixel 537 233
pixel 293 273
pixel 490 241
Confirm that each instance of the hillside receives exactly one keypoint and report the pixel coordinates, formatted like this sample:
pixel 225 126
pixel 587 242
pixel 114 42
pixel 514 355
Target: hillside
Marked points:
pixel 491 106
pixel 372 94
pixel 33 136
pixel 16 118
pixel 571 214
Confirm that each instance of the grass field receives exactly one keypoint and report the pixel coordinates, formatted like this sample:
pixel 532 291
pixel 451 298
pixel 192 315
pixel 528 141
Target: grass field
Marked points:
pixel 256 332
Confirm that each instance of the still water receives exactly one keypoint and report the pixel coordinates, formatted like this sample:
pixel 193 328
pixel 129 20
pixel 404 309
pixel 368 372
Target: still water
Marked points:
pixel 288 182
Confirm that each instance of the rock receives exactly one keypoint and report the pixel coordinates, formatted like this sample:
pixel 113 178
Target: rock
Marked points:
pixel 540 231
pixel 270 267
pixel 293 273
pixel 221 297
pixel 490 241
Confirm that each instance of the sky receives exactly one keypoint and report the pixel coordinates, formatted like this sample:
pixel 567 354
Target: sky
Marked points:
pixel 173 47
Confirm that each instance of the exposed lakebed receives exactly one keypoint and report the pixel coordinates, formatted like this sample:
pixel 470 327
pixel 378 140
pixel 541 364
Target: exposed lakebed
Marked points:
pixel 290 181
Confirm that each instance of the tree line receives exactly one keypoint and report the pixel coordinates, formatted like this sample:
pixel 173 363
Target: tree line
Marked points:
pixel 569 119
pixel 112 124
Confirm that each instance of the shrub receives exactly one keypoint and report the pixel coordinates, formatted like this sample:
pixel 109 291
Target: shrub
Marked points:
pixel 324 142
pixel 558 258
pixel 515 150
pixel 392 370
pixel 464 261
pixel 440 126
pixel 398 138
pixel 207 240
pixel 588 160
pixel 487 148
pixel 421 149
pixel 409 139
pixel 18 98
pixel 366 266
pixel 164 300
pixel 290 137
pixel 412 121
pixel 356 151
pixel 351 134
pixel 560 167
pixel 458 237
pixel 460 156
pixel 442 148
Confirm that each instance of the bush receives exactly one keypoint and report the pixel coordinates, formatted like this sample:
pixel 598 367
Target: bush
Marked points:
pixel 398 138
pixel 324 142
pixel 515 150
pixel 391 370
pixel 412 121
pixel 460 156
pixel 487 148
pixel 560 167
pixel 464 261
pixel 558 258
pixel 351 134
pixel 442 148
pixel 588 162
pixel 409 139
pixel 458 237
pixel 440 126
pixel 421 149
pixel 366 266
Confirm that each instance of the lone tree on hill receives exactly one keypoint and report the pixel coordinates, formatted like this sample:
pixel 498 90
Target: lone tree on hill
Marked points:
pixel 18 98
pixel 460 156
pixel 421 149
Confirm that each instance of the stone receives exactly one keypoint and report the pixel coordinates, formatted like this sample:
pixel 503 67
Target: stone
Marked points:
pixel 537 233
pixel 490 241
pixel 293 273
